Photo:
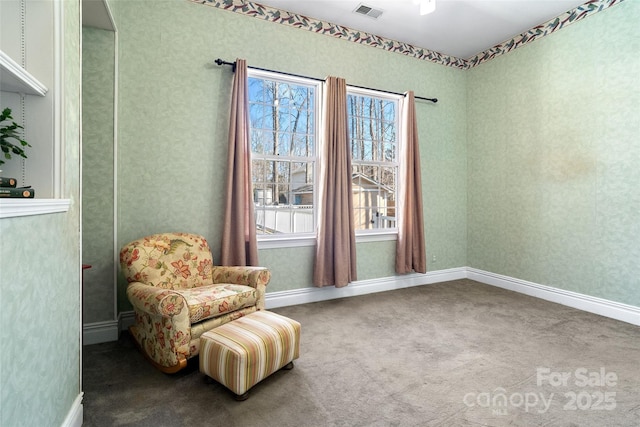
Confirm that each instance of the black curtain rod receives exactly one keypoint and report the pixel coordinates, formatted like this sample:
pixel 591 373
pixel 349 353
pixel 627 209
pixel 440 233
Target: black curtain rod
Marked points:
pixel 233 64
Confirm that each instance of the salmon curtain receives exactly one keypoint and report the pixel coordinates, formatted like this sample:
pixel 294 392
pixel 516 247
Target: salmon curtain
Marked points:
pixel 410 246
pixel 335 263
pixel 239 244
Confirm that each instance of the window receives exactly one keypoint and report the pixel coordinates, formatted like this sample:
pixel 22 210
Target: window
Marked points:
pixel 373 132
pixel 284 116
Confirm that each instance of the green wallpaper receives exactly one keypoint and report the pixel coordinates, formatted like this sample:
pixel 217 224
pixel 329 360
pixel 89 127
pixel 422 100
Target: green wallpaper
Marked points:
pixel 40 283
pixel 98 60
pixel 173 124
pixel 528 159
pixel 554 159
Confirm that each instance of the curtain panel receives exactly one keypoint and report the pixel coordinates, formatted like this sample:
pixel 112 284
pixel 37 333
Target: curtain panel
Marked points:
pixel 239 243
pixel 410 246
pixel 335 263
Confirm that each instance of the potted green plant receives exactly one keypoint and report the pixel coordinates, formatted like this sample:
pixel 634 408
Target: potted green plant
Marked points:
pixel 11 141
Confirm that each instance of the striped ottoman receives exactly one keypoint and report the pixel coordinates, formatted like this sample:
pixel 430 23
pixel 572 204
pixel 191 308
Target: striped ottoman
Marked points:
pixel 241 353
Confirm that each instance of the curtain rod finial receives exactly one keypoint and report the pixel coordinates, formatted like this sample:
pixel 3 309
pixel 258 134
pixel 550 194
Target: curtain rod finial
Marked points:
pixel 222 62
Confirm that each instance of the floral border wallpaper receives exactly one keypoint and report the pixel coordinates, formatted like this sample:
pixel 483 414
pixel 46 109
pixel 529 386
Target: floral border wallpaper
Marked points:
pixel 549 27
pixel 279 16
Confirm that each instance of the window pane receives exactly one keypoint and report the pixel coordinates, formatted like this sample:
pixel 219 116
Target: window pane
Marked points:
pixel 284 144
pixel 262 141
pixel 284 199
pixel 388 179
pixel 302 145
pixel 256 90
pixel 389 151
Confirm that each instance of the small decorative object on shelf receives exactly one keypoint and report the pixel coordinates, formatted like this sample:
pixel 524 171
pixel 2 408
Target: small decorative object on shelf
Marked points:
pixel 8 182
pixel 11 131
pixel 17 193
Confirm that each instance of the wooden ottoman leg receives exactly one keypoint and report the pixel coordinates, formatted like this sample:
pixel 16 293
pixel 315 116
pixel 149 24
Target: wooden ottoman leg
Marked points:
pixel 242 397
pixel 288 366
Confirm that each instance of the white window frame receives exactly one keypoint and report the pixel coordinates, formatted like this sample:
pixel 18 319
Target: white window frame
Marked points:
pixel 296 239
pixel 309 239
pixel 374 235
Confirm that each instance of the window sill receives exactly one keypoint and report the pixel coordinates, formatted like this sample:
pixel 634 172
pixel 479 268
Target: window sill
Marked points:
pixel 377 236
pixel 286 242
pixel 25 207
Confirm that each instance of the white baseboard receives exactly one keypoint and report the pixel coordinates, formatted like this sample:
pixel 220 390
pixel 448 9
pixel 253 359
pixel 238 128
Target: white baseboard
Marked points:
pixel 603 307
pixel 75 414
pixel 99 332
pixel 127 318
pixel 360 287
pixel 615 310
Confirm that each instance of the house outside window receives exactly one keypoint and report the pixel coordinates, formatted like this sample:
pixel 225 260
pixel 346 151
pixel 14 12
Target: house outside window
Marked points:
pixel 284 116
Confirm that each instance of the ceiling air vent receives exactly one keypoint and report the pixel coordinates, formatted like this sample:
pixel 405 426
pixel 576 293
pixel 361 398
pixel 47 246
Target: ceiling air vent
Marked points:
pixel 363 9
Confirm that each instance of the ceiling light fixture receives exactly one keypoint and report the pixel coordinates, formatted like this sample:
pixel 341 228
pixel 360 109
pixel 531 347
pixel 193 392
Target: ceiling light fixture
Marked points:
pixel 426 6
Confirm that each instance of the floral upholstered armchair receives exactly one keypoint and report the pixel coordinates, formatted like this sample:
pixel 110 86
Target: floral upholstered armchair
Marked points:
pixel 178 294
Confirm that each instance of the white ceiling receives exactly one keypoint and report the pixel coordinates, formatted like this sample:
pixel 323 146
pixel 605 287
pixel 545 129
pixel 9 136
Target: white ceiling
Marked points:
pixel 459 28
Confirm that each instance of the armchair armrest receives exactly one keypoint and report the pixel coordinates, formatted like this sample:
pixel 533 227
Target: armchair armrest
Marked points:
pixel 156 301
pixel 256 277
pixel 248 276
pixel 162 329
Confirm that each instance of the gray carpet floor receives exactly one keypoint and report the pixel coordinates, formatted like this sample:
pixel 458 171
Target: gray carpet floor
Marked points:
pixel 458 353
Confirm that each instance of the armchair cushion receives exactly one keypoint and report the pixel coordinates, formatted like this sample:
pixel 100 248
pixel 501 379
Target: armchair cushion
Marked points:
pixel 213 301
pixel 202 303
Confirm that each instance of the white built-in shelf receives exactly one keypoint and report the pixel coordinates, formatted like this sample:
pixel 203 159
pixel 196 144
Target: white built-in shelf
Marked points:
pixel 25 207
pixel 14 78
